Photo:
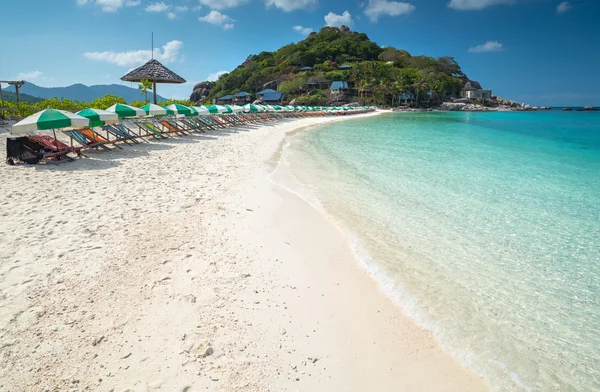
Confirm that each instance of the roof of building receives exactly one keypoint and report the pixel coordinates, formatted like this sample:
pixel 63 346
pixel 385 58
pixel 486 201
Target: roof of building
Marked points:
pixel 305 68
pixel 242 94
pixel 275 96
pixel 267 90
pixel 338 85
pixel 225 98
pixel 154 72
pixel 472 85
pixel 344 66
pixel 406 96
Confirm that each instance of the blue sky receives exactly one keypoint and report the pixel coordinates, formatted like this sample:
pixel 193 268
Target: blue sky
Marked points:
pixel 545 52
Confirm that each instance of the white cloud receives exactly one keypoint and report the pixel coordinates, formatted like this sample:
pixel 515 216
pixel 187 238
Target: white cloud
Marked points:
pixel 476 4
pixel 29 75
pixel 181 8
pixel 563 7
pixel 303 30
pixel 218 19
pixel 157 7
pixel 291 5
pixel 110 5
pixel 222 4
pixel 335 20
pixel 168 54
pixel 108 76
pixel 490 46
pixel 215 76
pixel 171 15
pixel 377 8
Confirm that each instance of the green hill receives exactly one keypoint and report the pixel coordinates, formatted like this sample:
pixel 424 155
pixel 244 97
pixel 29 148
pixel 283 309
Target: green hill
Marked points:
pixel 12 97
pixel 377 75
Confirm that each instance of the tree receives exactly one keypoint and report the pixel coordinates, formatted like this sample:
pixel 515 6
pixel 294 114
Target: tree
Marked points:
pixel 144 86
pixel 419 85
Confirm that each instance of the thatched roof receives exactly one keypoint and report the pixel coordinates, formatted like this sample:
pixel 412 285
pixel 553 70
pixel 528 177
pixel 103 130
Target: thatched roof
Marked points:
pixel 154 72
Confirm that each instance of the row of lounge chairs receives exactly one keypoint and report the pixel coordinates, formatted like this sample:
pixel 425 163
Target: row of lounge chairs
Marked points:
pixel 33 149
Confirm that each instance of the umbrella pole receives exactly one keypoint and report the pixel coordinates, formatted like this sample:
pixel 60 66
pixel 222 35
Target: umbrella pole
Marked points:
pixel 55 139
pixel 154 91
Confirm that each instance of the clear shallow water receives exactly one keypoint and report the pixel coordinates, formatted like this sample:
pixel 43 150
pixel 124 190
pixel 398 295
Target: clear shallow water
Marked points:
pixel 484 227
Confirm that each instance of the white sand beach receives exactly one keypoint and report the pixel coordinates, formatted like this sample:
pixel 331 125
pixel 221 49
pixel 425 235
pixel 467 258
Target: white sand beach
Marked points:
pixel 177 265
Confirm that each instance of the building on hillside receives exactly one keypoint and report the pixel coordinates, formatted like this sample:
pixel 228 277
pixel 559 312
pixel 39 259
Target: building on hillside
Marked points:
pixel 260 94
pixel 339 85
pixel 344 67
pixel 273 98
pixel 242 98
pixel 305 69
pixel 225 100
pixel 316 84
pixel 407 97
pixel 473 90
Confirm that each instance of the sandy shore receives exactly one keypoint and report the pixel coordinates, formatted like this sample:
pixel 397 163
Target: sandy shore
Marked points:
pixel 179 266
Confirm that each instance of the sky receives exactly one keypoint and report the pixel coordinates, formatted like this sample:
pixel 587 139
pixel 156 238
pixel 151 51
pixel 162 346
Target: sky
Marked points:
pixel 543 52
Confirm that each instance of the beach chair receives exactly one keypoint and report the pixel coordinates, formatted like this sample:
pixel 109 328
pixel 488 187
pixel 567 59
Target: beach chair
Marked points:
pixel 95 137
pixel 54 148
pixel 79 137
pixel 119 134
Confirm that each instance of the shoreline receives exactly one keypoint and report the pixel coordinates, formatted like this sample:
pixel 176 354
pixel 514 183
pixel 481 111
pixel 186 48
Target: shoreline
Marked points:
pixel 182 266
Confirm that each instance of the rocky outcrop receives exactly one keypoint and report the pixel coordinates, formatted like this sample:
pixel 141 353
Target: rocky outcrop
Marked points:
pixel 589 109
pixel 201 91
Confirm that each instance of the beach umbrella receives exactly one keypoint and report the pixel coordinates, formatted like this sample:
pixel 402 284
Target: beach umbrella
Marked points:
pixel 234 108
pixel 250 108
pixel 123 110
pixel 49 119
pixel 98 117
pixel 153 71
pixel 154 110
pixel 180 109
pixel 212 109
pixel 202 110
pixel 194 111
pixel 222 109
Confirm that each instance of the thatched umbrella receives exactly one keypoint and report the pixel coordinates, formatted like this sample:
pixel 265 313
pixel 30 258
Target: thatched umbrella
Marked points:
pixel 154 72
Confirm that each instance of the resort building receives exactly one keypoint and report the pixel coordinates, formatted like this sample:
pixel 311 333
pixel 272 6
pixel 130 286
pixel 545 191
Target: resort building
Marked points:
pixel 305 69
pixel 339 85
pixel 273 98
pixel 260 94
pixel 316 84
pixel 344 67
pixel 242 98
pixel 225 100
pixel 473 90
pixel 406 97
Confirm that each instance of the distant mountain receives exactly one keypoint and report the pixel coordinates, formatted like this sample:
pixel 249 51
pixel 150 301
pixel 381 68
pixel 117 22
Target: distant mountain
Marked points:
pixel 10 96
pixel 81 92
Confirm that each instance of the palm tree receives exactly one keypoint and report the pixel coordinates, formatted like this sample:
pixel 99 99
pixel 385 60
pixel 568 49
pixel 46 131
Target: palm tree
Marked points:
pixel 418 85
pixel 144 86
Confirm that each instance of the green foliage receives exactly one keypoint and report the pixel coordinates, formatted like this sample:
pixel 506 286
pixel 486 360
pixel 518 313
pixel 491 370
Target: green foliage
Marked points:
pixel 144 86
pixel 24 109
pixel 377 75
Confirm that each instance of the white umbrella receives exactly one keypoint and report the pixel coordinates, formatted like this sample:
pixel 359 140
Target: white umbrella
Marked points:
pixel 49 119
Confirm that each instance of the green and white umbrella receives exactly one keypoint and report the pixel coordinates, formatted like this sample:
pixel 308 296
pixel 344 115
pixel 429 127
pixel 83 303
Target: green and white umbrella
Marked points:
pixel 123 110
pixel 202 110
pixel 235 108
pixel 154 109
pixel 194 111
pixel 180 109
pixel 98 117
pixel 250 108
pixel 222 109
pixel 212 109
pixel 49 119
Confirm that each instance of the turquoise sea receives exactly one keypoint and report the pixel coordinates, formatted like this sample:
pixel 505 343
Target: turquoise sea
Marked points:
pixel 483 227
